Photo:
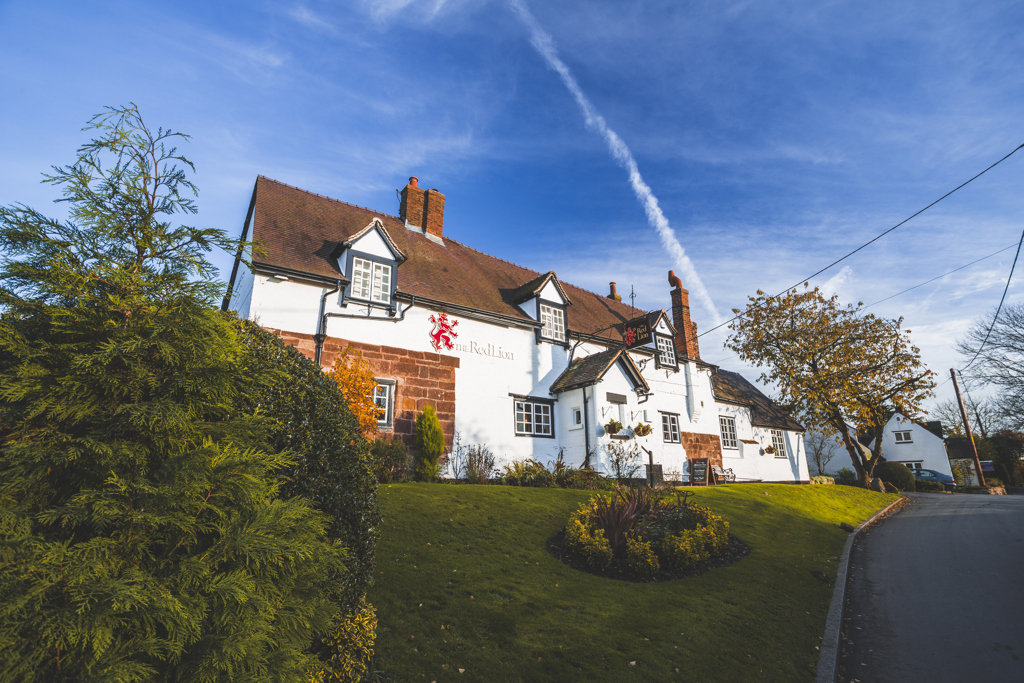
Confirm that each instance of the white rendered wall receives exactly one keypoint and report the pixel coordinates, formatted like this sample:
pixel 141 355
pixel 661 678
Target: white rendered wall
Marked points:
pixel 496 361
pixel 924 447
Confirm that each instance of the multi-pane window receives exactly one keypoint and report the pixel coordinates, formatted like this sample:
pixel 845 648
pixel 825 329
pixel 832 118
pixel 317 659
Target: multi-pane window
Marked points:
pixel 371 280
pixel 381 398
pixel 666 351
pixel 779 443
pixel 553 320
pixel 903 437
pixel 670 428
pixel 728 427
pixel 534 419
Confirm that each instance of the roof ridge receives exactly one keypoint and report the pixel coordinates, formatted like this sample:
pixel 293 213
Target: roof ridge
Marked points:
pixel 332 199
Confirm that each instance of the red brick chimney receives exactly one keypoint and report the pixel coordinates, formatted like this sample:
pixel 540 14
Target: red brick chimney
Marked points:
pixel 612 294
pixel 435 213
pixel 686 329
pixel 414 201
pixel 422 208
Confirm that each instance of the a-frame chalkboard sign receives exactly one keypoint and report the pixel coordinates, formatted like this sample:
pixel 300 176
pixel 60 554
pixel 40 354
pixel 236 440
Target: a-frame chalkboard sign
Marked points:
pixel 699 472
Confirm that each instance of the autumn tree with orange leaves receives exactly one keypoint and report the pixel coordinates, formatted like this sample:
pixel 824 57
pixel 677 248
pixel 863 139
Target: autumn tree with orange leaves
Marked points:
pixel 354 376
pixel 835 365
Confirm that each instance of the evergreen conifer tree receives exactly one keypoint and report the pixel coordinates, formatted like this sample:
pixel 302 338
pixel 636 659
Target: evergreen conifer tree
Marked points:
pixel 429 445
pixel 142 537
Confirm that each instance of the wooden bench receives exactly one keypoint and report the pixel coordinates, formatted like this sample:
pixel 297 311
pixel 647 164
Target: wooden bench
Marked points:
pixel 728 476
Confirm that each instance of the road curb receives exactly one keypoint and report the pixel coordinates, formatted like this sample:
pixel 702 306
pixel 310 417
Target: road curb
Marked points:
pixel 828 660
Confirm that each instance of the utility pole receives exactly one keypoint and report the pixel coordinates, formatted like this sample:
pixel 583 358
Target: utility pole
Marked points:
pixel 967 426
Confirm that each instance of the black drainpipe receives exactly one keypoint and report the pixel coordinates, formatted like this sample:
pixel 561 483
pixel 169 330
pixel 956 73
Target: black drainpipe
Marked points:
pixel 321 326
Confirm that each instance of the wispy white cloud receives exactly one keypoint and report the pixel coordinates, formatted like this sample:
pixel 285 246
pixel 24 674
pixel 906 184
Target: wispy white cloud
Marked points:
pixel 834 283
pixel 310 19
pixel 545 45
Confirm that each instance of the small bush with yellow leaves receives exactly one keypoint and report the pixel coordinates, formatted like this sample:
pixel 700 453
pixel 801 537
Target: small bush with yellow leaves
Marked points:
pixel 641 558
pixel 586 540
pixel 686 549
pixel 348 650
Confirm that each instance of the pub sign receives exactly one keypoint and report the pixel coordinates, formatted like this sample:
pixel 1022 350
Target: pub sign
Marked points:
pixel 637 332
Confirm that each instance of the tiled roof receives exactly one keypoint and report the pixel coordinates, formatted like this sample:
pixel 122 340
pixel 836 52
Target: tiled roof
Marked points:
pixel 583 372
pixel 734 388
pixel 959 447
pixel 299 230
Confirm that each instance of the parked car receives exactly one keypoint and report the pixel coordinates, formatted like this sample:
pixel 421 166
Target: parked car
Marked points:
pixel 932 475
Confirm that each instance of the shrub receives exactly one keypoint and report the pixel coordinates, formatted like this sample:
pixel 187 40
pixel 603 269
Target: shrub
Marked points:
pixel 686 549
pixel 895 474
pixel 625 460
pixel 640 558
pixel 993 481
pixel 930 486
pixel 390 460
pixel 474 463
pixel 348 650
pixel 823 480
pixel 585 540
pixel 429 445
pixel 527 473
pixel 354 376
pixel 308 415
pixel 846 477
pixel 645 531
pixel 962 472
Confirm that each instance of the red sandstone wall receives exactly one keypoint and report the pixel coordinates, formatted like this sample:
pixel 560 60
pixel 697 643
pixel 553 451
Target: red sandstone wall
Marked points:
pixel 702 446
pixel 423 378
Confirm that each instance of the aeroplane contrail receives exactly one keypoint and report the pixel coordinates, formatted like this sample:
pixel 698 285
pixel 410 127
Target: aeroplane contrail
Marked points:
pixel 545 45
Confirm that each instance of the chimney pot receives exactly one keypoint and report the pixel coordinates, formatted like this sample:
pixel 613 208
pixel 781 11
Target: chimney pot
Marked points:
pixel 413 180
pixel 612 293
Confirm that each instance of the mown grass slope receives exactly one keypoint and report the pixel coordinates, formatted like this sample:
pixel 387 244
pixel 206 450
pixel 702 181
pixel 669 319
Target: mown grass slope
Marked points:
pixel 465 582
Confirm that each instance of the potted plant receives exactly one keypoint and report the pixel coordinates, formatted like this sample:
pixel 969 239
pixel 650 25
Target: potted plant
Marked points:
pixel 613 427
pixel 769 449
pixel 642 429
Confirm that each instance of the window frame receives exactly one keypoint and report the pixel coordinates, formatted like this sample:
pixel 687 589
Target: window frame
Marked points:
pixel 574 412
pixel 554 305
pixel 731 443
pixel 778 437
pixel 390 385
pixel 374 262
pixel 534 402
pixel 668 421
pixel 907 434
pixel 670 342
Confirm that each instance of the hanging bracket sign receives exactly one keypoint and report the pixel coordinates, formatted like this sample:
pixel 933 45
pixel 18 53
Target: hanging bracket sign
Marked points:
pixel 637 332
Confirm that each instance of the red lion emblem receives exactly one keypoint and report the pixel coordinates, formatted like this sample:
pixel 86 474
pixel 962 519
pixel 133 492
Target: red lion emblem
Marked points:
pixel 443 331
pixel 630 336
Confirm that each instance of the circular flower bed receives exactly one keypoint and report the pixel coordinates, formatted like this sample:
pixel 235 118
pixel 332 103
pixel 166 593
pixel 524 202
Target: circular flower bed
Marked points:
pixel 637 535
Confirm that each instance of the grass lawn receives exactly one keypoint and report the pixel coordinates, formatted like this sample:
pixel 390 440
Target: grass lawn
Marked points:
pixel 465 582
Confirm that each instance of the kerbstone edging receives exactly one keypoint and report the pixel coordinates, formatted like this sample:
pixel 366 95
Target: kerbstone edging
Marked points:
pixel 828 660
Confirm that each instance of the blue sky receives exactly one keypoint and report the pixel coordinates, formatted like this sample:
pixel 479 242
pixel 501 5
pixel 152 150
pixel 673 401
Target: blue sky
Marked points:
pixel 776 136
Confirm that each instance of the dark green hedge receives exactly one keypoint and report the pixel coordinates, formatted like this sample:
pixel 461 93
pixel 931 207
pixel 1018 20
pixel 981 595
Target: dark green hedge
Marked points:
pixel 897 474
pixel 309 416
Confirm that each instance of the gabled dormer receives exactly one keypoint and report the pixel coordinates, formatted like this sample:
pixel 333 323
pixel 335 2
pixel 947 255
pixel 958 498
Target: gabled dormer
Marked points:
pixel 655 332
pixel 544 300
pixel 369 260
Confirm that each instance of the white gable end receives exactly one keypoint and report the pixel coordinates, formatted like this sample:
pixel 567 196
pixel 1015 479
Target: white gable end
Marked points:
pixel 373 244
pixel 662 327
pixel 550 293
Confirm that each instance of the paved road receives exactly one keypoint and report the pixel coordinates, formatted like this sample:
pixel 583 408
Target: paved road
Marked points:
pixel 937 594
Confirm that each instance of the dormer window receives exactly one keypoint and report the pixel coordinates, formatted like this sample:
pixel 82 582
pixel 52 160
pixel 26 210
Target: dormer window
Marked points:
pixel 666 351
pixel 371 280
pixel 553 319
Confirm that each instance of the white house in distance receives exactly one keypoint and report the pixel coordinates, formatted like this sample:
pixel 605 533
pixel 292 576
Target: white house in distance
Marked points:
pixel 510 358
pixel 918 445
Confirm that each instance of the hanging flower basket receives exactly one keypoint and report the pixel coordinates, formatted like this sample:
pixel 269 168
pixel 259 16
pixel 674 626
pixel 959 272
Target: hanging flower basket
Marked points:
pixel 613 427
pixel 642 430
pixel 769 449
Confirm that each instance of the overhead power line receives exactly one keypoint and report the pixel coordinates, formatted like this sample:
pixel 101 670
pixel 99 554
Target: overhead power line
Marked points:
pixel 876 238
pixel 939 277
pixel 1001 300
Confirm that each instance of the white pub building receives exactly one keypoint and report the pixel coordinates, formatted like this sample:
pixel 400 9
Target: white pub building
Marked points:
pixel 510 358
